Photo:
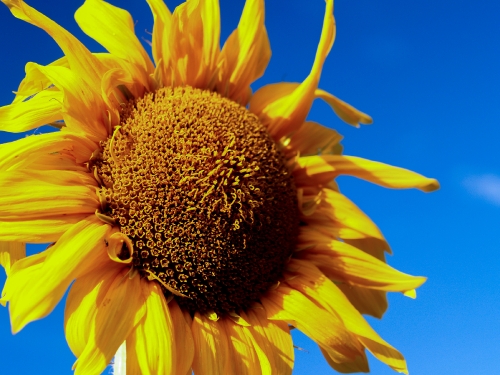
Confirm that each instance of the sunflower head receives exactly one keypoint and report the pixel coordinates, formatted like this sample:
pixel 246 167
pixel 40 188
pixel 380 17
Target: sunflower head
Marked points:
pixel 194 221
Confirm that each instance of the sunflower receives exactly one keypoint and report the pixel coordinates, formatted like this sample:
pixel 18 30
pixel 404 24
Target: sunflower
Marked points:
pixel 194 222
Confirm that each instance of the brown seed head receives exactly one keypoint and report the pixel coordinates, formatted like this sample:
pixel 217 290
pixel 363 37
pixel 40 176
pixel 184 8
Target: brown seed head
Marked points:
pixel 203 193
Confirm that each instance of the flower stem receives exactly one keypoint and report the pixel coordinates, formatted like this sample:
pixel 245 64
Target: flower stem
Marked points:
pixel 120 361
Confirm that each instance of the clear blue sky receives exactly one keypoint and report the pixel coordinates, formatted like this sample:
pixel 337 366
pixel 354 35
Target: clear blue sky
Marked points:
pixel 427 72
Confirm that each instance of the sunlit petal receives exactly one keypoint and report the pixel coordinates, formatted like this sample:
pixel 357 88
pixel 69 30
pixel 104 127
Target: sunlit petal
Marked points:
pixel 322 169
pixel 34 290
pixel 101 20
pixel 324 327
pixel 245 54
pixel 119 309
pixel 284 113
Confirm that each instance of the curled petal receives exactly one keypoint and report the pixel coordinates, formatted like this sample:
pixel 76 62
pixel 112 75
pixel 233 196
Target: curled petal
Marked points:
pixel 41 109
pixel 322 169
pixel 112 87
pixel 120 248
pixel 82 106
pixel 284 107
pixel 35 81
pixel 345 111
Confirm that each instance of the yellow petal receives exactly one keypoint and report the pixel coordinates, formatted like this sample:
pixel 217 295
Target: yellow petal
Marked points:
pixel 359 364
pixel 326 294
pixel 242 354
pixel 118 312
pixel 110 90
pixel 284 114
pixel 41 109
pixel 310 236
pixel 82 108
pixel 120 78
pixel 29 195
pixel 31 268
pixel 113 28
pixel 345 111
pixel 339 216
pixel 343 262
pixel 238 319
pixel 35 81
pixel 274 338
pixel 81 61
pixel 245 54
pixel 211 354
pixel 34 291
pixel 151 347
pixel 194 43
pixel 366 301
pixel 183 338
pixel 324 327
pixel 116 244
pixel 11 252
pixel 161 29
pixel 322 169
pixel 270 93
pixel 24 152
pixel 412 293
pixel 309 198
pixel 315 139
pixel 45 230
pixel 84 297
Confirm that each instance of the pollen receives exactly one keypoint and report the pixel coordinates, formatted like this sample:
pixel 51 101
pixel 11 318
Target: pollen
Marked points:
pixel 204 195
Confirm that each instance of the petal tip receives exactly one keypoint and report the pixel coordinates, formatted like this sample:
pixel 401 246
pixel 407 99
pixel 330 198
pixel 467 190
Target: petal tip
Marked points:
pixel 431 186
pixel 410 293
pixel 366 120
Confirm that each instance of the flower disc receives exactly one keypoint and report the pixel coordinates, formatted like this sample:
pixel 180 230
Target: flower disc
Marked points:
pixel 203 193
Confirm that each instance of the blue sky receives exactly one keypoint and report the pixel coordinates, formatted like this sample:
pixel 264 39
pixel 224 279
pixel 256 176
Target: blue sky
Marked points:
pixel 426 72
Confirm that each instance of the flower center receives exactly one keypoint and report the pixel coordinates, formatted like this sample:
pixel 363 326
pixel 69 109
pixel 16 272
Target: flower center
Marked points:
pixel 204 195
